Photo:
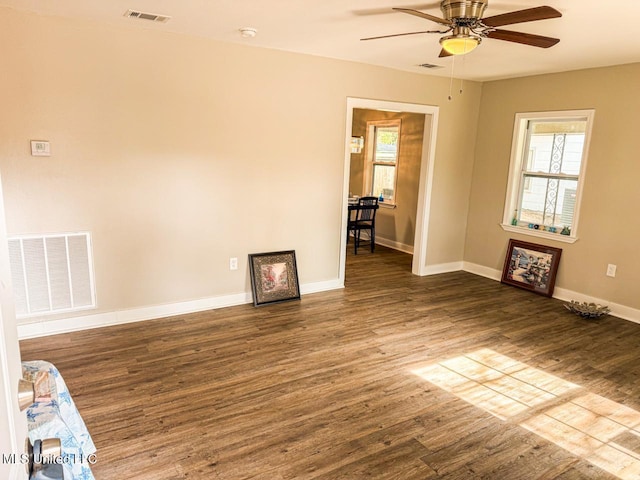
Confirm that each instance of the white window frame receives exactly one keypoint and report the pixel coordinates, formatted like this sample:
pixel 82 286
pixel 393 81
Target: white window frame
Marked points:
pixel 514 187
pixel 370 157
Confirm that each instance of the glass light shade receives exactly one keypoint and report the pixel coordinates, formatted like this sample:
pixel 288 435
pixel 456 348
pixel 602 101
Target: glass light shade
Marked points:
pixel 459 44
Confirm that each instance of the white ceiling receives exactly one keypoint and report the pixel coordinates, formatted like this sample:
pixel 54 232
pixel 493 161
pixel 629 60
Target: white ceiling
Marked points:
pixel 593 33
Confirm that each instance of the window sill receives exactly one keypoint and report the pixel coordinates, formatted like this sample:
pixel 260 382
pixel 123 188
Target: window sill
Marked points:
pixel 537 233
pixel 387 205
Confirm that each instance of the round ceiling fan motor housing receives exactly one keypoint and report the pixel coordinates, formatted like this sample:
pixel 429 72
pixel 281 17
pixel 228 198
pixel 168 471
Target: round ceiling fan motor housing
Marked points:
pixel 463 9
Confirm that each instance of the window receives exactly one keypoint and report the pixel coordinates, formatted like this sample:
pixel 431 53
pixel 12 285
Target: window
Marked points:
pixel 548 161
pixel 382 159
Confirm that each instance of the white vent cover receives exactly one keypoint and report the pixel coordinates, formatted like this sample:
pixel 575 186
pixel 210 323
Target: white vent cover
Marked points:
pixel 52 273
pixel 429 65
pixel 154 17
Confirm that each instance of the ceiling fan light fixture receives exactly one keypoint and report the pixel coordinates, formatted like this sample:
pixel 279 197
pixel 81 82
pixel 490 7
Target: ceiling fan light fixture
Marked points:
pixel 460 44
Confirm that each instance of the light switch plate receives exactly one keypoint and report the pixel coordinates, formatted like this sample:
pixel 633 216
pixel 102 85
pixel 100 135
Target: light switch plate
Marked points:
pixel 40 148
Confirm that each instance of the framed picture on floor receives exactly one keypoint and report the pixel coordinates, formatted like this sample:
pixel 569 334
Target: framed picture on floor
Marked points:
pixel 531 266
pixel 274 277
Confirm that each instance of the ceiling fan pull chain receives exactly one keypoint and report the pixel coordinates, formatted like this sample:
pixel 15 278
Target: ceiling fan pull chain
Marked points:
pixel 453 62
pixel 464 62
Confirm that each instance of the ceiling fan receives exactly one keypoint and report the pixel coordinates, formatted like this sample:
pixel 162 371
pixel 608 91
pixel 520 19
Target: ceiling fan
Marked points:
pixel 463 19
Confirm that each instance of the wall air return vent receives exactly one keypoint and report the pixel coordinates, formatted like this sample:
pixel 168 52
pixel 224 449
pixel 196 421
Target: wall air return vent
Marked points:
pixel 154 17
pixel 52 273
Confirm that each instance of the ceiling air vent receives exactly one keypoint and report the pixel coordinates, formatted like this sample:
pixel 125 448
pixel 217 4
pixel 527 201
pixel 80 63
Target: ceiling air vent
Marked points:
pixel 154 17
pixel 429 65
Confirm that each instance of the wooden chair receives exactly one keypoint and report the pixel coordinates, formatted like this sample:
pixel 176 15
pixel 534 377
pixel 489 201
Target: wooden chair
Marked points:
pixel 365 220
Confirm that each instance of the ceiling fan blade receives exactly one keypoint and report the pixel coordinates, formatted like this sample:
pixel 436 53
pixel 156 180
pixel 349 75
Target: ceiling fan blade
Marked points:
pixel 521 16
pixel 524 38
pixel 400 34
pixel 444 53
pixel 426 16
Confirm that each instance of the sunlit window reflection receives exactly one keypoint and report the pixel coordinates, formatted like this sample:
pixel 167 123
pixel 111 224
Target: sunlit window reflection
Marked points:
pixel 603 432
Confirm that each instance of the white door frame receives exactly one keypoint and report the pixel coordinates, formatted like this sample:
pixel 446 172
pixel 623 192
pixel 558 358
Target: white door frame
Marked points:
pixel 430 112
pixel 13 433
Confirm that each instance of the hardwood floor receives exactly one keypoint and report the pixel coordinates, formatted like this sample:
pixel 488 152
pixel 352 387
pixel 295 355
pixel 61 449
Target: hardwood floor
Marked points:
pixel 451 376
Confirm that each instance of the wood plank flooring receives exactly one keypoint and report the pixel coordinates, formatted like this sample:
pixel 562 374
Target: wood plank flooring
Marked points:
pixel 451 376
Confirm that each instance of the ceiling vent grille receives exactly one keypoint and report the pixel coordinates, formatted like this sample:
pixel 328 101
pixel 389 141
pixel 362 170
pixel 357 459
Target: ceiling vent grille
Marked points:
pixel 429 65
pixel 154 17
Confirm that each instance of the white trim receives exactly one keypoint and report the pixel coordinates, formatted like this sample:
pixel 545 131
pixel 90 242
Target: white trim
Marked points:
pixel 517 157
pixel 482 271
pixel 403 247
pixel 426 175
pixel 385 242
pixel 564 294
pixel 50 313
pixel 540 234
pixel 7 402
pixel 86 322
pixel 18 471
pixel 11 438
pixel 617 310
pixel 442 268
pixel 317 287
pixel 513 180
pixel 66 325
pixel 346 175
pixel 425 188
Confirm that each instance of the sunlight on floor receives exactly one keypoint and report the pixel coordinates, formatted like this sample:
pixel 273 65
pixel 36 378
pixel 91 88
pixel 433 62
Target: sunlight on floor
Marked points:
pixel 603 432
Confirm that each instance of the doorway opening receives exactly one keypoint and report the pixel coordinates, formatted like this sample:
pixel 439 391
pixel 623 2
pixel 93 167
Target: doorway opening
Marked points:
pixel 427 155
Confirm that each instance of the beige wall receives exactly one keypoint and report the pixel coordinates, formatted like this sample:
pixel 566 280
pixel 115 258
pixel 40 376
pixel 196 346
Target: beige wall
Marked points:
pixel 177 153
pixel 393 224
pixel 609 229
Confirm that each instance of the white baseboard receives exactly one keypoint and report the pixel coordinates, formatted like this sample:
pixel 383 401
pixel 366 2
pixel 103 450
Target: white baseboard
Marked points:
pixel 385 242
pixel 52 327
pixel 442 268
pixel 617 310
pixel 564 294
pixel 65 325
pixel 403 247
pixel 321 286
pixel 482 271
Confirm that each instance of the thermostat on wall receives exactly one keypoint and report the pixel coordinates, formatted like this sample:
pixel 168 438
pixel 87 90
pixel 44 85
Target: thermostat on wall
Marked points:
pixel 40 148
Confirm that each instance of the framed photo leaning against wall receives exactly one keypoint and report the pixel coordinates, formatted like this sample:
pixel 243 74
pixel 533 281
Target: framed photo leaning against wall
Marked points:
pixel 274 277
pixel 531 266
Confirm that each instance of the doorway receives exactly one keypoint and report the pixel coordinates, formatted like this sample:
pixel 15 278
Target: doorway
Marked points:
pixel 425 176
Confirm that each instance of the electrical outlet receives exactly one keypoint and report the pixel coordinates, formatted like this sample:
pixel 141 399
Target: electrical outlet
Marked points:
pixel 611 270
pixel 233 263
